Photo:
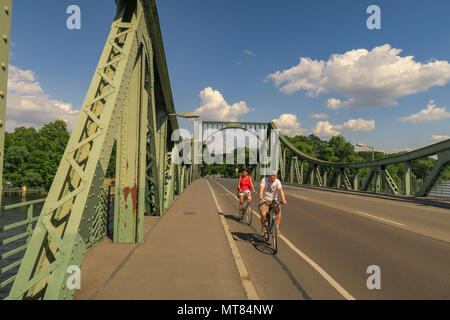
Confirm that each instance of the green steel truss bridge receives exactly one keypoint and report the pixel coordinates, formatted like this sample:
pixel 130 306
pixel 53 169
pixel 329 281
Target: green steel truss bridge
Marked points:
pixel 130 98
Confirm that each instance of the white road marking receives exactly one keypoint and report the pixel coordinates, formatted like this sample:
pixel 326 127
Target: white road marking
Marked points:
pixel 301 197
pixel 347 210
pixel 375 217
pixel 399 203
pixel 321 271
pixel 249 288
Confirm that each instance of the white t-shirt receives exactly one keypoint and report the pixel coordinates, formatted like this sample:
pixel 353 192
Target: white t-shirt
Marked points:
pixel 270 190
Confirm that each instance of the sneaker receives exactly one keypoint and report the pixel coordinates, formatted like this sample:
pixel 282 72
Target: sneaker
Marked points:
pixel 263 231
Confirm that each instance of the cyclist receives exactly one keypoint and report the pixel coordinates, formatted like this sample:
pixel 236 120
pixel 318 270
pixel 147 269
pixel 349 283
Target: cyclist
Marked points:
pixel 268 193
pixel 245 185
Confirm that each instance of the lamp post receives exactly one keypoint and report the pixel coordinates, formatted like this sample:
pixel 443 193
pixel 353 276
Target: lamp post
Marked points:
pixel 187 115
pixel 363 145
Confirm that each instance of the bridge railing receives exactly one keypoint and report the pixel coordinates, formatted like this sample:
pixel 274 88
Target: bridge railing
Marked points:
pixel 14 240
pixel 102 219
pixel 413 176
pixel 14 237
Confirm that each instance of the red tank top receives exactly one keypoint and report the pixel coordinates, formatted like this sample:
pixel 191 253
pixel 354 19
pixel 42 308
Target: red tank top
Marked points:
pixel 245 183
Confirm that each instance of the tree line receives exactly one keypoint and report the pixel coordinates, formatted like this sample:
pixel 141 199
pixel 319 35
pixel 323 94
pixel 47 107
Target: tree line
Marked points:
pixel 337 149
pixel 32 156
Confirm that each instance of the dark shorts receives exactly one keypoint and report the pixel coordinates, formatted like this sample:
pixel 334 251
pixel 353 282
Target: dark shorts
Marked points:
pixel 265 207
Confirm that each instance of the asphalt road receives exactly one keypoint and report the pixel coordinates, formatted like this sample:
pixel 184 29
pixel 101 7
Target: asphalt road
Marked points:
pixel 329 239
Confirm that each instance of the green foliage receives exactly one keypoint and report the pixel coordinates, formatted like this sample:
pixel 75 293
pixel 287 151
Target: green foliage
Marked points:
pixel 339 150
pixel 32 157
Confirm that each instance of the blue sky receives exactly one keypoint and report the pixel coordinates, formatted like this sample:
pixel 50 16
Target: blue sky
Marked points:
pixel 227 49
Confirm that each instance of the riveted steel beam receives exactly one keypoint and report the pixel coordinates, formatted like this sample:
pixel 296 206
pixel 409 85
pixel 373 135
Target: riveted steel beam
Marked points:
pixel 407 177
pixel 355 179
pixel 441 164
pixel 390 182
pixel 62 231
pixel 5 30
pixel 131 158
pixel 64 227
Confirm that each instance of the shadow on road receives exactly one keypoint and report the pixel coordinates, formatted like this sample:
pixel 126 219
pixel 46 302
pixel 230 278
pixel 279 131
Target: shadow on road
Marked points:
pixel 256 240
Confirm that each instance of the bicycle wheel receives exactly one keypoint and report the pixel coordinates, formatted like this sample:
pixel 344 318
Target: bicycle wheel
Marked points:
pixel 248 214
pixel 267 230
pixel 274 237
pixel 242 213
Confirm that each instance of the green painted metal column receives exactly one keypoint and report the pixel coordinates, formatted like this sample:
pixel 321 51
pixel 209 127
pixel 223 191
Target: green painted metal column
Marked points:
pixel 302 173
pixel 292 170
pixel 407 173
pixel 5 29
pixel 131 161
pixel 258 173
pixel 169 191
pixel 355 179
pixel 62 232
pixel 338 178
pixel 378 180
pixel 312 173
pixel 441 164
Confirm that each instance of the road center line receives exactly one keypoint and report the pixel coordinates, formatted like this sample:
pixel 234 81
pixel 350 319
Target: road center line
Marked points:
pixel 249 288
pixel 347 210
pixel 375 217
pixel 321 271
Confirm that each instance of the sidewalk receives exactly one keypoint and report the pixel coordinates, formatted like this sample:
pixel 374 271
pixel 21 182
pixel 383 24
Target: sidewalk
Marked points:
pixel 185 256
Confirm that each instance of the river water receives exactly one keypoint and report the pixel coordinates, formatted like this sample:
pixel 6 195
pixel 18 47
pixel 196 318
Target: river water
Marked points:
pixel 6 218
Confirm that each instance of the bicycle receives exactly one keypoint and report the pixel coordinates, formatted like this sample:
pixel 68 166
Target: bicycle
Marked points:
pixel 246 212
pixel 271 230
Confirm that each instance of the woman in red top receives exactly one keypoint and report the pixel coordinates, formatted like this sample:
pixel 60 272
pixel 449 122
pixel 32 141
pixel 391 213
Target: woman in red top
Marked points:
pixel 245 185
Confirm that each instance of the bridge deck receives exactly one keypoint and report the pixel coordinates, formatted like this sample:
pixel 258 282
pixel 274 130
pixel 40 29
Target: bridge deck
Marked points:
pixel 328 240
pixel 185 256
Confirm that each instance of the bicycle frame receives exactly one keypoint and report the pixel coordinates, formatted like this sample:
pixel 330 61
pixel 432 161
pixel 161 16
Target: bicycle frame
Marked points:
pixel 271 218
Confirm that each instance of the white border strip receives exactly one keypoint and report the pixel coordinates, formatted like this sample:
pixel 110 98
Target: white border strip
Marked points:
pixel 375 217
pixel 322 272
pixel 347 210
pixel 249 289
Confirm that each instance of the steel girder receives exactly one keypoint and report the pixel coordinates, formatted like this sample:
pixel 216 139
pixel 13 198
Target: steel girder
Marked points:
pixel 62 232
pixel 378 174
pixel 131 158
pixel 5 26
pixel 441 164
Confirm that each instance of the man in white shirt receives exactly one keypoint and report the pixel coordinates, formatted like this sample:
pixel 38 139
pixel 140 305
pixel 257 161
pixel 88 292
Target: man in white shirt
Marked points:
pixel 268 193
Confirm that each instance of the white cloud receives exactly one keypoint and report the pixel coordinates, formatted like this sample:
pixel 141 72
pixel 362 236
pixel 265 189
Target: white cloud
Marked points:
pixel 336 104
pixel 357 125
pixel 435 138
pixel 325 129
pixel 365 78
pixel 214 107
pixel 398 150
pixel 431 113
pixel 288 125
pixel 249 52
pixel 318 116
pixel 28 105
